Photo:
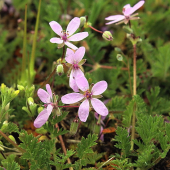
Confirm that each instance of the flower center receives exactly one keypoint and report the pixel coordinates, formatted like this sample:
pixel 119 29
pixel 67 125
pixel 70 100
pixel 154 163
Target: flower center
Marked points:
pixel 64 36
pixel 88 94
pixel 75 66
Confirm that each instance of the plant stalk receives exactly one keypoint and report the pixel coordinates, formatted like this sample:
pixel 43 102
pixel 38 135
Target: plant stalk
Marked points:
pixel 134 93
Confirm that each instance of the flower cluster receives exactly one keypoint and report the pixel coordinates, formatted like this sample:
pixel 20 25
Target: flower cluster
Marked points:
pixel 87 95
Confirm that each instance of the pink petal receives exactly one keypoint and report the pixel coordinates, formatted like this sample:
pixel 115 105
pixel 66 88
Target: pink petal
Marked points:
pixel 78 37
pixel 82 82
pixel 56 27
pixel 43 95
pixel 56 40
pixel 72 83
pixel 99 107
pixel 73 25
pixel 137 6
pixel 71 45
pixel 83 111
pixel 79 54
pixel 99 88
pixel 77 72
pixel 43 117
pixel 69 56
pixel 112 22
pixel 72 98
pixel 49 90
pixel 101 134
pixel 114 17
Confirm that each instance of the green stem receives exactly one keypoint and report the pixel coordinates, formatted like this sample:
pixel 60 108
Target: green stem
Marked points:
pixel 32 61
pixel 134 93
pixel 24 46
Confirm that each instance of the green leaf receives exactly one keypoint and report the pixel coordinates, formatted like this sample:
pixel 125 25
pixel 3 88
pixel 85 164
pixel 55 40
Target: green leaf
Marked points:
pixel 85 145
pixel 123 139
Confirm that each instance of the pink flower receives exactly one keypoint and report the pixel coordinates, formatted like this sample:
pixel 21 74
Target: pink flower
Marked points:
pixel 66 36
pixel 127 14
pixel 47 98
pixel 74 62
pixel 88 96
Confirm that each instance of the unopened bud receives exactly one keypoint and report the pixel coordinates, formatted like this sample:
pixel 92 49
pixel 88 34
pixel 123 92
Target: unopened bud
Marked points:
pixel 60 69
pixel 4 127
pixel 40 109
pixel 12 138
pixel 118 50
pixel 82 21
pixel 20 87
pixel 107 36
pixel 127 29
pixel 119 57
pixel 74 127
pixel 30 101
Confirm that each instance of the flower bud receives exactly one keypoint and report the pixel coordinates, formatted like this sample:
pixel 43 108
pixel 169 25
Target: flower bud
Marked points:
pixel 30 101
pixel 118 50
pixel 20 87
pixel 12 138
pixel 107 36
pixel 87 24
pixel 119 57
pixel 60 69
pixel 40 109
pixel 4 127
pixel 82 21
pixel 74 127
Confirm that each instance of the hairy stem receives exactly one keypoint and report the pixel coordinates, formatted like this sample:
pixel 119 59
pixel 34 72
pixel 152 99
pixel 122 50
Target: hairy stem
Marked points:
pixel 134 93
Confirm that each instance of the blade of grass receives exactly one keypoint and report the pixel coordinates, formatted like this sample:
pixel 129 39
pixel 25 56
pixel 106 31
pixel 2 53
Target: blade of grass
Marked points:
pixel 32 61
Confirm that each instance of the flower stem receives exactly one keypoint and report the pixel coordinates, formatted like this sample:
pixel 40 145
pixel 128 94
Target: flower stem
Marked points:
pixel 63 146
pixel 95 29
pixel 134 93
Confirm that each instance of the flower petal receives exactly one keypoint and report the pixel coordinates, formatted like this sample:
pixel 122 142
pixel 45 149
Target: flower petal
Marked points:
pixel 73 25
pixel 137 6
pixel 56 40
pixel 83 111
pixel 43 116
pixel 72 83
pixel 82 82
pixel 72 98
pixel 43 95
pixel 77 72
pixel 71 45
pixel 56 27
pixel 78 37
pixel 126 10
pixel 79 54
pixel 69 56
pixel 114 17
pixel 99 107
pixel 99 88
pixel 49 90
pixel 112 22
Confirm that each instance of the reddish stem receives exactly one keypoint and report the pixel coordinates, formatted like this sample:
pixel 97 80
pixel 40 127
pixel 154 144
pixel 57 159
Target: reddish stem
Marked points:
pixel 95 29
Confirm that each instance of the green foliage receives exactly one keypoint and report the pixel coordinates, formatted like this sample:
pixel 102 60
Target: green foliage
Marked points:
pixel 123 140
pixel 161 64
pixel 36 152
pixel 85 145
